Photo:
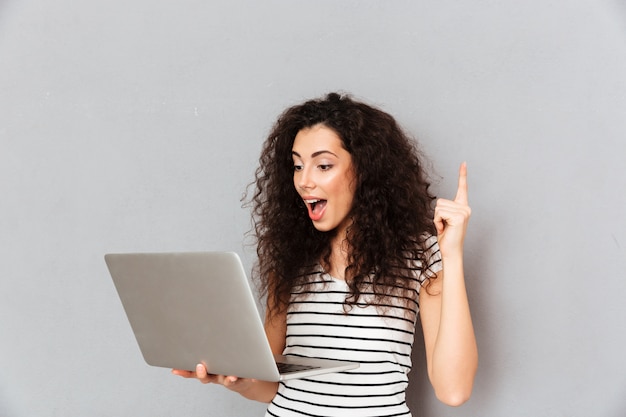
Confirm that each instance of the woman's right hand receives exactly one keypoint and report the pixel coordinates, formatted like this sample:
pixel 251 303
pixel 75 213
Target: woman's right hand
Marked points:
pixel 233 383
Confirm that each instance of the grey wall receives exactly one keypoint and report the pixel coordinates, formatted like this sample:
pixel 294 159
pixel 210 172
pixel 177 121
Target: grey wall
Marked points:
pixel 135 126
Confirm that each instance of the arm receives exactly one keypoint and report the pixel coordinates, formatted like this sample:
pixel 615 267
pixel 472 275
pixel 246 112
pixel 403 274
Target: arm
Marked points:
pixel 252 389
pixel 451 352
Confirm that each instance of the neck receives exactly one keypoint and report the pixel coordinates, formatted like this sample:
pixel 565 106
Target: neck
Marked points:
pixel 338 256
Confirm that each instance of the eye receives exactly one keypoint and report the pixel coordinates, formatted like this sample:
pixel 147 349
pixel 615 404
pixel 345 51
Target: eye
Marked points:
pixel 324 167
pixel 297 167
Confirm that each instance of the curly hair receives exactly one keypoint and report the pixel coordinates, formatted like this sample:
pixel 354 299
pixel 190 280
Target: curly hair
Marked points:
pixel 392 206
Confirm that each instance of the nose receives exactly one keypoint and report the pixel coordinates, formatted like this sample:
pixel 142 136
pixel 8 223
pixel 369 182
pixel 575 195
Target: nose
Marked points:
pixel 304 179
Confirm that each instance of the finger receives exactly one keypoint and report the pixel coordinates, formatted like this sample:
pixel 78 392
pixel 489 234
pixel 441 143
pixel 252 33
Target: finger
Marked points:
pixel 183 373
pixel 439 222
pixel 440 226
pixel 207 378
pixel 201 371
pixel 461 193
pixel 230 381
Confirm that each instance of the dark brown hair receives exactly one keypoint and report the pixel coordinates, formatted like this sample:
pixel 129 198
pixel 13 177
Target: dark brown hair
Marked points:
pixel 392 209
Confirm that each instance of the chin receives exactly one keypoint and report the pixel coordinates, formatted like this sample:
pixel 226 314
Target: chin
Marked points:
pixel 324 227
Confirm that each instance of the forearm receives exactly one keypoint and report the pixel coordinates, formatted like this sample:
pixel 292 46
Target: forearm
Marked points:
pixel 263 391
pixel 455 355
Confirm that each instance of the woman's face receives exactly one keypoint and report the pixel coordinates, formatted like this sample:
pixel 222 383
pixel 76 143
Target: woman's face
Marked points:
pixel 324 177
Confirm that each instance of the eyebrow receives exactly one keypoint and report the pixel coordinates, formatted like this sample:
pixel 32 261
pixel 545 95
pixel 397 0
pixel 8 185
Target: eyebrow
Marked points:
pixel 314 154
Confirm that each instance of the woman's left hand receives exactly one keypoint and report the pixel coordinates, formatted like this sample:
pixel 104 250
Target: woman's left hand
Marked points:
pixel 452 216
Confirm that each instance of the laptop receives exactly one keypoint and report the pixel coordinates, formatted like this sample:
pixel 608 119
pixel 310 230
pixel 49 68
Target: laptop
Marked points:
pixel 198 307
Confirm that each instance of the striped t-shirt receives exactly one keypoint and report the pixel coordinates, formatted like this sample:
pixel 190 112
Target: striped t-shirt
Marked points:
pixel 380 339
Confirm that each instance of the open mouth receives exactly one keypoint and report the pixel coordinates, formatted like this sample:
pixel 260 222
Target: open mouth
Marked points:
pixel 316 208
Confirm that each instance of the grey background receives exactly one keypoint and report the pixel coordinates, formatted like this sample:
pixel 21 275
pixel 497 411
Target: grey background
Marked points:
pixel 136 125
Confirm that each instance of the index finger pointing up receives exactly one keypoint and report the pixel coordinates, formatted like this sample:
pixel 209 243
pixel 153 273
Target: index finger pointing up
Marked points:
pixel 461 193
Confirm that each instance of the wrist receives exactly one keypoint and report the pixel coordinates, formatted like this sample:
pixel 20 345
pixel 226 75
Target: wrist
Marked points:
pixel 454 256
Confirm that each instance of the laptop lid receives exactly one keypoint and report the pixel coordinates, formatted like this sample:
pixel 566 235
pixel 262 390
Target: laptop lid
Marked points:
pixel 198 307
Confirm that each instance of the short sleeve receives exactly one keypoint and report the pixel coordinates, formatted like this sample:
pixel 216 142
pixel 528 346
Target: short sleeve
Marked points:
pixel 432 257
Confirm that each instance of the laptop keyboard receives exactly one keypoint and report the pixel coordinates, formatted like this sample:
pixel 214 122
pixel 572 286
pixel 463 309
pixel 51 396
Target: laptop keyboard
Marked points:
pixel 285 368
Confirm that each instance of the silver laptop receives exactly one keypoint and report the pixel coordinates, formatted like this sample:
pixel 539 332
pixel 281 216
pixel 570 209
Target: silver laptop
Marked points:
pixel 198 307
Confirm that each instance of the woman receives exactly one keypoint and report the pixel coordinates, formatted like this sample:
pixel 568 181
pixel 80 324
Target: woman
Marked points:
pixel 350 250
